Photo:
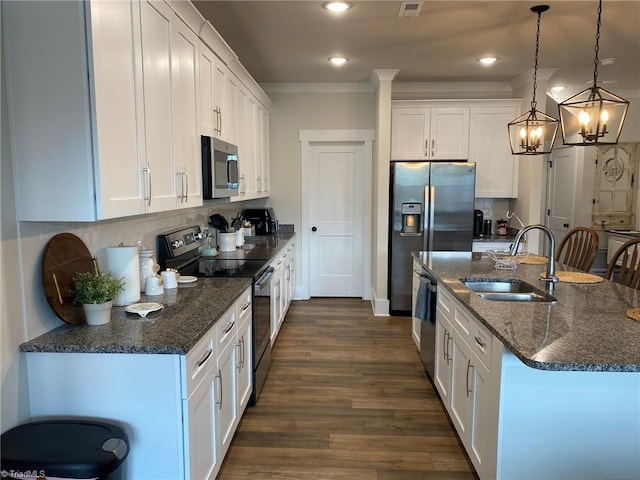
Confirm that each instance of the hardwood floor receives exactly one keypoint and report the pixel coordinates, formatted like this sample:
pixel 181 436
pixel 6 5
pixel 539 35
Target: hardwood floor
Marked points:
pixel 346 398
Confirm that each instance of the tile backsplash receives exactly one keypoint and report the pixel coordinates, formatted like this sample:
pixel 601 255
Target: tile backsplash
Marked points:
pixel 493 208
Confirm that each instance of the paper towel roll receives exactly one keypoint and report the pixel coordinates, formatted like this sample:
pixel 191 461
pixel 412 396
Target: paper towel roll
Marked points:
pixel 124 262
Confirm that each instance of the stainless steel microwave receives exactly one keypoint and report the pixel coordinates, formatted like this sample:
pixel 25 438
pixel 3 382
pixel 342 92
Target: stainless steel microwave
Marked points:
pixel 219 168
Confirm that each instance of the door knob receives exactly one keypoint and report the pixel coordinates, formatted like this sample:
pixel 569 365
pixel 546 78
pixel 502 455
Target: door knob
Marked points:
pixel 313 229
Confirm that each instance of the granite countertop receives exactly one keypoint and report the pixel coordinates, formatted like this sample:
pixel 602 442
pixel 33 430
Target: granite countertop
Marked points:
pixel 585 330
pixel 495 238
pixel 189 312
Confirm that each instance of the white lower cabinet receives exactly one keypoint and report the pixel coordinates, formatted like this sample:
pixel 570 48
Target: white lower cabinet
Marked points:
pixel 180 411
pixel 464 381
pixel 244 358
pixel 521 423
pixel 282 286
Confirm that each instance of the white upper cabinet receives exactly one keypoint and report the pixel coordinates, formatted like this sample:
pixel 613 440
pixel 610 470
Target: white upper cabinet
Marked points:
pixel 496 168
pixel 473 130
pixel 103 104
pixel 424 133
pixel 186 141
pixel 159 182
pixel 74 94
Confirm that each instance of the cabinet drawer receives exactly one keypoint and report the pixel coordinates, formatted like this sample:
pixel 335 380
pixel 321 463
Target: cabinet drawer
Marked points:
pixel 446 302
pixel 199 359
pixel 226 329
pixel 481 341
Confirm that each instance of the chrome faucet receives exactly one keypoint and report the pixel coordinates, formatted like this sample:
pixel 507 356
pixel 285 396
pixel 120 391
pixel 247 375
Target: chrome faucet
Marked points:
pixel 551 264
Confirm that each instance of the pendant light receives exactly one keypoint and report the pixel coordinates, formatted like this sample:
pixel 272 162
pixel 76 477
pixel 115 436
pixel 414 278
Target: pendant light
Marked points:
pixel 529 133
pixel 593 116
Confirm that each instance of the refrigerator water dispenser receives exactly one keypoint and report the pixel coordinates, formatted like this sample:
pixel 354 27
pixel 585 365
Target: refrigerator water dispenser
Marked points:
pixel 411 218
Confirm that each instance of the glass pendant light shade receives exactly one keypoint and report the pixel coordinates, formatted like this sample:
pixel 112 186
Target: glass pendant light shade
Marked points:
pixel 593 116
pixel 534 132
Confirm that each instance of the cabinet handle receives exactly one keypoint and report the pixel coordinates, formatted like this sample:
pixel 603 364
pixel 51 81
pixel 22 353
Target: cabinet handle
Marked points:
pixel 426 148
pixel 259 184
pixel 480 341
pixel 242 351
pixel 433 147
pixel 445 345
pixel 147 170
pixel 186 185
pixel 266 184
pixel 204 358
pixel 229 327
pixel 469 367
pixel 219 377
pixel 245 306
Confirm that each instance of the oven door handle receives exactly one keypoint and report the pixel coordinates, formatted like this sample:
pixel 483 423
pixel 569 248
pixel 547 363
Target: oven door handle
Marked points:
pixel 264 277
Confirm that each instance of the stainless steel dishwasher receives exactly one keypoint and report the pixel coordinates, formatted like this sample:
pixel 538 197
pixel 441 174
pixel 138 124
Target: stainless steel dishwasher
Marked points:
pixel 428 293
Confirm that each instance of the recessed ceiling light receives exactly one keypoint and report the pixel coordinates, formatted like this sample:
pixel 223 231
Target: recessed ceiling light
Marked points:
pixel 338 61
pixel 337 7
pixel 488 60
pixel 558 88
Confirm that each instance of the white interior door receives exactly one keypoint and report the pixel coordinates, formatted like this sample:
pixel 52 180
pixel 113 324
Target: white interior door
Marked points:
pixel 336 219
pixel 561 191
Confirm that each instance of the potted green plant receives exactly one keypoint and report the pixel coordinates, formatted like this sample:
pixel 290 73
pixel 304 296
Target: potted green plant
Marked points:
pixel 96 291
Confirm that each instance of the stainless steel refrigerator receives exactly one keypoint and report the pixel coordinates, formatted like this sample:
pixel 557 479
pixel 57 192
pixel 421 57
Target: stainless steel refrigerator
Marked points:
pixel 431 209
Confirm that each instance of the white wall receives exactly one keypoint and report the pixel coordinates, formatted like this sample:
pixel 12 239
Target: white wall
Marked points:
pixel 295 111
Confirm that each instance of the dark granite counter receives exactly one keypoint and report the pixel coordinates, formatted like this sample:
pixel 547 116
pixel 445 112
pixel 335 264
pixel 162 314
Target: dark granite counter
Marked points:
pixel 189 312
pixel 585 330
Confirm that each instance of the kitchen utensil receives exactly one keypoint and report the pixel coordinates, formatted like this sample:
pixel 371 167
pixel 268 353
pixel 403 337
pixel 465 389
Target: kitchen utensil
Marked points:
pixel 64 256
pixel 226 242
pixel 146 265
pixel 187 279
pixel 143 309
pixel 154 286
pixel 169 279
pixel 218 222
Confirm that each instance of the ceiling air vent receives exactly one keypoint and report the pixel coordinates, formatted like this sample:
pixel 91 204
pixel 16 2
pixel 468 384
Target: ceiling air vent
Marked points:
pixel 410 9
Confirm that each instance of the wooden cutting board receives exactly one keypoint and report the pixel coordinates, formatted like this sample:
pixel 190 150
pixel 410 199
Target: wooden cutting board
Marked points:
pixel 64 256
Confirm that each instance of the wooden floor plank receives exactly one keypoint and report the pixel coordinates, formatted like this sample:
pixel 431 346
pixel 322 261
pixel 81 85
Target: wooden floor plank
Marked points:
pixel 346 398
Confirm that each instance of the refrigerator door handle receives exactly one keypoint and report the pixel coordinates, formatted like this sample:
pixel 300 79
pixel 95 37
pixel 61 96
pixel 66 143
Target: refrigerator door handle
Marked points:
pixel 429 199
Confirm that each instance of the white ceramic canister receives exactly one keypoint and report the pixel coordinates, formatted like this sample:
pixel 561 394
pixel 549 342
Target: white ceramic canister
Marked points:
pixel 226 242
pixel 146 266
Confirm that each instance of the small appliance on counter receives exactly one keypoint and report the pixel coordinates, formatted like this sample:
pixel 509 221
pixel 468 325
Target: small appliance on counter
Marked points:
pixel 478 218
pixel 263 219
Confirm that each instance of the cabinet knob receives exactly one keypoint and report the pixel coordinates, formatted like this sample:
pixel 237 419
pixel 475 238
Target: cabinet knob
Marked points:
pixel 314 229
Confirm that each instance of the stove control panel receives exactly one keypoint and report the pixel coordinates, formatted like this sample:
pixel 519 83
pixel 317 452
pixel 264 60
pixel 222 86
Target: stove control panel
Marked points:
pixel 178 243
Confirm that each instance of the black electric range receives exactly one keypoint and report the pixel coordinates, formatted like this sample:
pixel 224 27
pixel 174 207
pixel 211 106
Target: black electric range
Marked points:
pixel 180 249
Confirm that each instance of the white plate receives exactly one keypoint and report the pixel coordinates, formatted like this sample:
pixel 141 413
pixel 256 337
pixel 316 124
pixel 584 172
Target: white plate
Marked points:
pixel 143 309
pixel 187 279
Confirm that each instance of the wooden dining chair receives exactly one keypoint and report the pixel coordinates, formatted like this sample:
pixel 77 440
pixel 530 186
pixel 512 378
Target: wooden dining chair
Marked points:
pixel 578 248
pixel 628 271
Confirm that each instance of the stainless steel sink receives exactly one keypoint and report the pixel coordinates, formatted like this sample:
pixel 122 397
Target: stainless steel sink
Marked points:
pixel 506 290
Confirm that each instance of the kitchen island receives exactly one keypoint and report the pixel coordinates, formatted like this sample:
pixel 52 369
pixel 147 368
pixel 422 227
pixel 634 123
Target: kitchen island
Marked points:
pixel 538 390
